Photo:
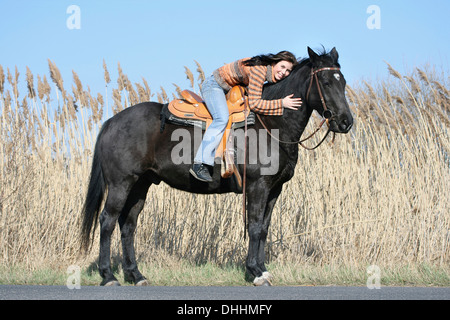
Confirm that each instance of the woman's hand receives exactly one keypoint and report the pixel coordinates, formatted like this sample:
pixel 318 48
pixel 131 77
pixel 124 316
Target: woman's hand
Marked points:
pixel 292 103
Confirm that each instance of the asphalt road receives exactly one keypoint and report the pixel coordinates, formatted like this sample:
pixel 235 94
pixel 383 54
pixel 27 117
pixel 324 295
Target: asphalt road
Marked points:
pixel 23 292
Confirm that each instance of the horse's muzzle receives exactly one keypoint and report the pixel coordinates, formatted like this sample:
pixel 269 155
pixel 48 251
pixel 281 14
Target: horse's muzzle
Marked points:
pixel 341 124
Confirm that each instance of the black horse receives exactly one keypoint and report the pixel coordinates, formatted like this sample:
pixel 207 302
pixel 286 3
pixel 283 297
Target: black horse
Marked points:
pixel 131 154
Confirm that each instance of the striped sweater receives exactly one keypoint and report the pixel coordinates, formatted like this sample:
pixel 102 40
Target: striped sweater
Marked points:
pixel 236 73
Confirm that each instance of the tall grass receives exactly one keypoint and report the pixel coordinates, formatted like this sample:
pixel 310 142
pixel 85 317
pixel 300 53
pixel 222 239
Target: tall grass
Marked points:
pixel 376 196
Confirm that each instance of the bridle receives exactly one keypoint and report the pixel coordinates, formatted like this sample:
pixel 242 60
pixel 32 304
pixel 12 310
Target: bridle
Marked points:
pixel 327 113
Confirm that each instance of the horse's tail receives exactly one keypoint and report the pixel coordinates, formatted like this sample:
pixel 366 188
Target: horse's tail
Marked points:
pixel 94 198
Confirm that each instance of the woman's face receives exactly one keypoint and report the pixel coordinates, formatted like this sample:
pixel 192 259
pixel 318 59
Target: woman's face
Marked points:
pixel 282 69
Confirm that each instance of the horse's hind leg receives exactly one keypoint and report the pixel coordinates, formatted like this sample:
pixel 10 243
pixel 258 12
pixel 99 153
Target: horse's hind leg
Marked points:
pixel 127 222
pixel 115 202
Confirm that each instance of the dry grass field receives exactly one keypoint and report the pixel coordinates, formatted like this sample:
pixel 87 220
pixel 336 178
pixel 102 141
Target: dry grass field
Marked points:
pixel 377 196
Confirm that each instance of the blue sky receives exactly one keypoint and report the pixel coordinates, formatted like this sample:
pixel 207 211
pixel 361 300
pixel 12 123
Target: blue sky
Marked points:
pixel 156 39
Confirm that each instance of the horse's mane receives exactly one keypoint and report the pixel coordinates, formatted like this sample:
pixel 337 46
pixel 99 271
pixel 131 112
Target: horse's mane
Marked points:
pixel 323 54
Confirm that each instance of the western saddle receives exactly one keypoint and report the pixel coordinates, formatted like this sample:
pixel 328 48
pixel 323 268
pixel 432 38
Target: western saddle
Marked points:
pixel 192 107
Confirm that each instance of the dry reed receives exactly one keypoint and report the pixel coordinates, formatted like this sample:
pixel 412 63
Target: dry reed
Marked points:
pixel 377 196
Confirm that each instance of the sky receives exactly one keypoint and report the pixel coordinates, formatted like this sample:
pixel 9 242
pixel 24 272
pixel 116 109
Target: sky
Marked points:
pixel 156 39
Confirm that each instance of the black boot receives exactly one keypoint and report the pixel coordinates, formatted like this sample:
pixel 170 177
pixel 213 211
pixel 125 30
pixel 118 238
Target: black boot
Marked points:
pixel 200 171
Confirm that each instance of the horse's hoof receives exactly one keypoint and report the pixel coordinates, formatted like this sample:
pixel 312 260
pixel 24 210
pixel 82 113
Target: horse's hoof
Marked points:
pixel 267 275
pixel 142 283
pixel 261 282
pixel 113 283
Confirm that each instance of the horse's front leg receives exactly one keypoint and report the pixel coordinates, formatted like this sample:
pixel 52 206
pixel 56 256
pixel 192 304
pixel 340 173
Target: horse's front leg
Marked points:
pixel 260 207
pixel 266 276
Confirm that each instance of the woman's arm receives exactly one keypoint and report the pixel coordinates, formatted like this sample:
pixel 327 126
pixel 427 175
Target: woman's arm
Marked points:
pixel 257 78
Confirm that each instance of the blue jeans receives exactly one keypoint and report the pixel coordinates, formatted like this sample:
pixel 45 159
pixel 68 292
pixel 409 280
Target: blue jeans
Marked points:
pixel 215 99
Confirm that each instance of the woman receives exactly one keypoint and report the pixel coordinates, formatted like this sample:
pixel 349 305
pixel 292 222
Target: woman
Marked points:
pixel 249 72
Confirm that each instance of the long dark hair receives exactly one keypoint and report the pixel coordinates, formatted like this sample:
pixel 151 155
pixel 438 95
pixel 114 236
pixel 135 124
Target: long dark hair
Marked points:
pixel 269 59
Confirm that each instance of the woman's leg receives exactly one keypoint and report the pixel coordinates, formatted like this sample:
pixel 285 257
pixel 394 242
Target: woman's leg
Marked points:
pixel 215 99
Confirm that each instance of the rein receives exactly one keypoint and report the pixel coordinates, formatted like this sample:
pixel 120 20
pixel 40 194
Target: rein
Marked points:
pixel 327 113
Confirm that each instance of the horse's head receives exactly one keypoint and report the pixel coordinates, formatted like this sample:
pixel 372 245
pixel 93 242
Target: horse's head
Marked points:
pixel 326 92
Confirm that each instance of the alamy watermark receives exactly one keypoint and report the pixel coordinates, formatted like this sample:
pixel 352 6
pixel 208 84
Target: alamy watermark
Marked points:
pixel 74 20
pixel 374 20
pixel 74 278
pixel 374 279
pixel 259 148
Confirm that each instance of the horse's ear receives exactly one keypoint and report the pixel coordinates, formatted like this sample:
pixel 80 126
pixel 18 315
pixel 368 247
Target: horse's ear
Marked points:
pixel 314 57
pixel 334 55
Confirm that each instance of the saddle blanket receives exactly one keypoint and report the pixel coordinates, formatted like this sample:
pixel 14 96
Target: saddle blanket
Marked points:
pixel 167 116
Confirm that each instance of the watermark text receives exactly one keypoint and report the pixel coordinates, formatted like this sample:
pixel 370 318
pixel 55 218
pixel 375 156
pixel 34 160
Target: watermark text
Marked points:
pixel 374 20
pixel 74 20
